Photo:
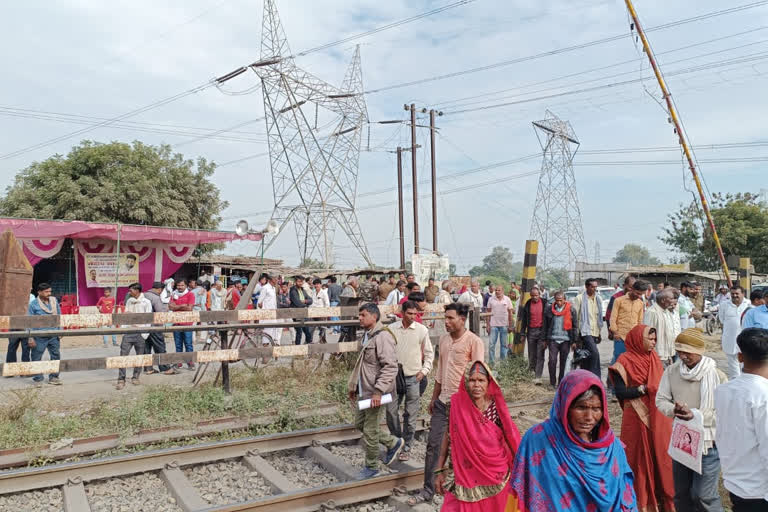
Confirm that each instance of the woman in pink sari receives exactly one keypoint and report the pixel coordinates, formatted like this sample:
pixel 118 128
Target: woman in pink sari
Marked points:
pixel 478 452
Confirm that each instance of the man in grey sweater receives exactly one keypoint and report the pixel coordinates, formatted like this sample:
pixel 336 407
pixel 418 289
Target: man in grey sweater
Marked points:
pixel 373 377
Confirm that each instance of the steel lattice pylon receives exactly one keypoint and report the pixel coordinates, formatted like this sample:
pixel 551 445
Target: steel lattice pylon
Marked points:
pixel 314 177
pixel 556 222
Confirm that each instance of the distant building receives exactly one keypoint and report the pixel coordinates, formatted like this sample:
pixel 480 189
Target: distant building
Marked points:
pixel 611 273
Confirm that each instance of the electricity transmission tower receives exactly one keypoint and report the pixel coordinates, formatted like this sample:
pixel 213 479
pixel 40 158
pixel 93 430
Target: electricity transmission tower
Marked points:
pixel 556 222
pixel 314 174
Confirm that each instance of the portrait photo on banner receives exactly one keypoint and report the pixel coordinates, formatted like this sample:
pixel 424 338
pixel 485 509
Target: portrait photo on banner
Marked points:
pixel 685 446
pixel 103 270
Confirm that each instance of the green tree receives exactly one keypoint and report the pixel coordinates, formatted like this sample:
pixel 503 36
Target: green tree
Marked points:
pixel 742 224
pixel 118 182
pixel 636 255
pixel 310 263
pixel 554 278
pixel 499 264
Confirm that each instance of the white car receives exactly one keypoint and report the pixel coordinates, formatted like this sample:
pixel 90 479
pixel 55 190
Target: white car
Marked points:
pixel 573 292
pixel 605 293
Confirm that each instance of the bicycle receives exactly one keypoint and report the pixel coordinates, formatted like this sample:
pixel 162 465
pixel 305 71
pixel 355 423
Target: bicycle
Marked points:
pixel 242 338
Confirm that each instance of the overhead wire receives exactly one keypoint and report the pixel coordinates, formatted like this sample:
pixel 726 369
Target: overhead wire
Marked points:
pixel 213 82
pixel 109 121
pixel 711 65
pixel 566 49
pixel 444 105
pixel 146 127
pixel 382 28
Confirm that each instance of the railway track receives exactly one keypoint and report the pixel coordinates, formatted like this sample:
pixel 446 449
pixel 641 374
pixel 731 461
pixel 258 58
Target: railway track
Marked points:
pixel 267 459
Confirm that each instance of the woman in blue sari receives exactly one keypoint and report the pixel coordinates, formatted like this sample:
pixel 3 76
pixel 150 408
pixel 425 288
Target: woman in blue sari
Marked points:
pixel 573 461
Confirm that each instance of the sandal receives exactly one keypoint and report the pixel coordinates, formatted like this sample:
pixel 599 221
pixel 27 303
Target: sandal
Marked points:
pixel 416 499
pixel 404 456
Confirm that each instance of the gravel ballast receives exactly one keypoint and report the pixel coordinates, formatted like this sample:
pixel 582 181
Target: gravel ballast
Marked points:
pixel 371 506
pixel 137 493
pixel 303 472
pixel 222 483
pixel 48 500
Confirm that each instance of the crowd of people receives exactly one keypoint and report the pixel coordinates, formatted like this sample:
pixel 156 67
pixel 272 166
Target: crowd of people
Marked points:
pixel 475 456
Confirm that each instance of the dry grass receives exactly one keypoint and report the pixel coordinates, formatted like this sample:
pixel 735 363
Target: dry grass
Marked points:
pixel 272 390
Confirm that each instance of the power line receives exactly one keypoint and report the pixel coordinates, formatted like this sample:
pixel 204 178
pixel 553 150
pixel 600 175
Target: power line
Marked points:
pixel 675 162
pixel 712 65
pixel 143 127
pixel 382 28
pixel 214 82
pixel 109 121
pixel 565 49
pixel 44 114
pixel 444 105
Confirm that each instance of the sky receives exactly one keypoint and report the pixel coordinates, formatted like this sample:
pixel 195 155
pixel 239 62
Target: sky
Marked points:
pixel 70 64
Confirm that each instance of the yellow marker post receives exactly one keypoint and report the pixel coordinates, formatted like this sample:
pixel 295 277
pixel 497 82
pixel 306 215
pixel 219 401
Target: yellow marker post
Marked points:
pixel 529 280
pixel 745 275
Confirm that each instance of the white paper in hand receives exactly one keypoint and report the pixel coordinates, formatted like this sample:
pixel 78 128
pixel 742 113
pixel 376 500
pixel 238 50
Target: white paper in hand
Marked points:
pixel 686 445
pixel 366 404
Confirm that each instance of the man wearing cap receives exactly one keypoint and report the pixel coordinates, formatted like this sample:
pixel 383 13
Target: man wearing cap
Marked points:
pixel 722 296
pixel 729 313
pixel 687 385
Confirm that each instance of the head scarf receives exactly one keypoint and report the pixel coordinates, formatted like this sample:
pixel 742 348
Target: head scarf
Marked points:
pixel 481 453
pixel 555 470
pixel 641 363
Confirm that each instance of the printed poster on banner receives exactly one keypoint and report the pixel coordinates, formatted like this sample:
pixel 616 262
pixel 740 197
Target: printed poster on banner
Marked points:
pixel 100 270
pixel 426 266
pixel 687 443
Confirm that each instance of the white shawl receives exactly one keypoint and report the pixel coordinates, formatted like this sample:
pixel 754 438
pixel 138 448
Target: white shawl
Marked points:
pixel 706 374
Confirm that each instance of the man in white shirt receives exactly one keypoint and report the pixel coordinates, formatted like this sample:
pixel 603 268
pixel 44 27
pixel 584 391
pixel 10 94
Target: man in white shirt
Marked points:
pixel 396 295
pixel 268 300
pixel 319 300
pixel 472 297
pixel 722 296
pixel 741 406
pixel 730 314
pixel 415 356
pixel 688 313
pixel 134 303
pixel 660 317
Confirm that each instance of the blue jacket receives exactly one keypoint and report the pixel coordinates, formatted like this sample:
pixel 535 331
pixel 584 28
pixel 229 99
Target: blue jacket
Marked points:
pixel 756 317
pixel 35 309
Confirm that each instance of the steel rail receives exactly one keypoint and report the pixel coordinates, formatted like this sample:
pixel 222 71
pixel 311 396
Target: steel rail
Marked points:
pixel 29 479
pixel 334 495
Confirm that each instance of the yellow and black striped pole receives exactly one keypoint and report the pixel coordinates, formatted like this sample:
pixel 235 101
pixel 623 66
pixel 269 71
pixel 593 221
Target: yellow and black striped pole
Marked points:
pixel 529 280
pixel 745 277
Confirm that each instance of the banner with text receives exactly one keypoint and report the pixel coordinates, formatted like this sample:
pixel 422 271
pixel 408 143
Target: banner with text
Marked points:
pixel 426 266
pixel 100 269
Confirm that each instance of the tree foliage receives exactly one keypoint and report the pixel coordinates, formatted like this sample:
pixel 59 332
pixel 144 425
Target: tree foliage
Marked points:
pixel 636 255
pixel 554 278
pixel 742 225
pixel 118 182
pixel 498 263
pixel 499 268
pixel 310 263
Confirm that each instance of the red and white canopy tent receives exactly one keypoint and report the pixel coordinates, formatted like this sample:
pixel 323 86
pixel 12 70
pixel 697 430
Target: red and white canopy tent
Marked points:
pixel 161 251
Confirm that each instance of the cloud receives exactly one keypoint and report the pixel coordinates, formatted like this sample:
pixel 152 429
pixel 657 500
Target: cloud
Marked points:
pixel 106 58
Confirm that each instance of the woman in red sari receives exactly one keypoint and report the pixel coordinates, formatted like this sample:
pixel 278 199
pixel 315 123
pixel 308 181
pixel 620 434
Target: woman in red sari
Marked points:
pixel 478 452
pixel 644 430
